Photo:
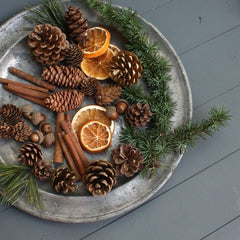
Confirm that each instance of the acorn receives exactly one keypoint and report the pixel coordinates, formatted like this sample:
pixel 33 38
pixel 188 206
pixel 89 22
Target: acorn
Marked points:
pixel 37 118
pixel 36 137
pixel 49 139
pixel 111 113
pixel 45 127
pixel 27 109
pixel 121 106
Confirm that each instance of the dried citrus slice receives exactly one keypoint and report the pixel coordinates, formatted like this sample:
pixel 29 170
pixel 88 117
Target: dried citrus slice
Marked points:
pixel 98 67
pixel 89 113
pixel 95 136
pixel 97 42
pixel 114 48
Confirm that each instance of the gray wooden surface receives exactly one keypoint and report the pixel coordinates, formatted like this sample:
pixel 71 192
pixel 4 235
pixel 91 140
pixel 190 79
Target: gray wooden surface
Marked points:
pixel 202 198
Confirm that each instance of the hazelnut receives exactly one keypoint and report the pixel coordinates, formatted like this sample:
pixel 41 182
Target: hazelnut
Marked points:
pixel 49 139
pixel 121 106
pixel 36 137
pixel 45 127
pixel 37 118
pixel 112 113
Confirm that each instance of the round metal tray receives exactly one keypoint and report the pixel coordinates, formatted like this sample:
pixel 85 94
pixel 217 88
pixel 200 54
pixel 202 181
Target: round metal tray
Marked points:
pixel 128 193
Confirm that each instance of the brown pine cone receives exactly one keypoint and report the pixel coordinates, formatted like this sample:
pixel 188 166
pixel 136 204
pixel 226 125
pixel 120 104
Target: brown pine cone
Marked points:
pixel 63 76
pixel 125 68
pixel 107 94
pixel 77 25
pixel 6 131
pixel 42 170
pixel 30 154
pixel 89 86
pixel 62 180
pixel 10 114
pixel 127 160
pixel 99 177
pixel 138 114
pixel 74 55
pixel 64 101
pixel 22 131
pixel 48 44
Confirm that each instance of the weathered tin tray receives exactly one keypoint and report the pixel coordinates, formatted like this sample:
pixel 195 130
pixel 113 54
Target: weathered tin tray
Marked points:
pixel 128 193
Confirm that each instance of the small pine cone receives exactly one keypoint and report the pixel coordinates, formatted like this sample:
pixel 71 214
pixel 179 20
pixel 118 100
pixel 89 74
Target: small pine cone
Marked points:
pixel 107 94
pixel 100 177
pixel 77 25
pixel 74 55
pixel 10 114
pixel 30 154
pixel 63 76
pixel 127 160
pixel 6 131
pixel 22 131
pixel 48 44
pixel 62 180
pixel 42 170
pixel 125 68
pixel 64 101
pixel 89 86
pixel 138 114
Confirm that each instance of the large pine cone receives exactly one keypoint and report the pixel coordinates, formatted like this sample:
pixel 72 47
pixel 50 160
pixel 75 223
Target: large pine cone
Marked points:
pixel 107 94
pixel 100 177
pixel 125 68
pixel 6 131
pixel 89 86
pixel 138 114
pixel 48 44
pixel 10 114
pixel 64 101
pixel 62 180
pixel 30 154
pixel 74 55
pixel 42 170
pixel 127 160
pixel 22 131
pixel 77 25
pixel 63 76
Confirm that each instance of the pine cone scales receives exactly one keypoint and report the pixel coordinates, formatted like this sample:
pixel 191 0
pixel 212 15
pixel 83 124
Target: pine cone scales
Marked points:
pixel 74 55
pixel 100 177
pixel 125 68
pixel 127 160
pixel 48 44
pixel 107 94
pixel 6 131
pixel 63 76
pixel 22 131
pixel 77 25
pixel 89 86
pixel 64 101
pixel 30 154
pixel 62 180
pixel 138 114
pixel 42 170
pixel 10 114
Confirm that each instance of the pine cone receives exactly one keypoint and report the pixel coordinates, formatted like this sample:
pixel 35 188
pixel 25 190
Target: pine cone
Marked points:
pixel 89 86
pixel 42 170
pixel 77 25
pixel 138 114
pixel 125 68
pixel 74 55
pixel 64 101
pixel 10 114
pixel 22 131
pixel 107 94
pixel 100 177
pixel 48 44
pixel 63 76
pixel 6 131
pixel 30 154
pixel 127 160
pixel 62 180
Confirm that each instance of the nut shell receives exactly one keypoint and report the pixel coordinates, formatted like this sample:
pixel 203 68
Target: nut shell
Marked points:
pixel 45 127
pixel 49 139
pixel 112 113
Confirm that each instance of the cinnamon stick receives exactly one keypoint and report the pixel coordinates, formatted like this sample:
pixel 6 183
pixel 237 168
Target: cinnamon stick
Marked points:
pixel 67 155
pixel 7 81
pixel 58 154
pixel 31 78
pixel 31 99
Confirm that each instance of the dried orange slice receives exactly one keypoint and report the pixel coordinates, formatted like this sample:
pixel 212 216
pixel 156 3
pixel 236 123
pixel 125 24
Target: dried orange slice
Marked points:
pixel 98 67
pixel 114 48
pixel 89 113
pixel 97 42
pixel 95 136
